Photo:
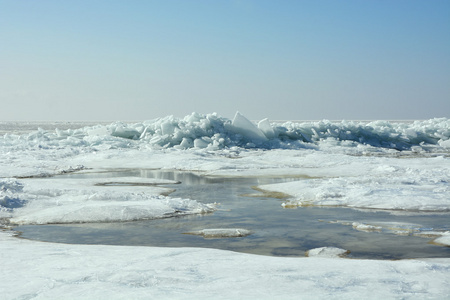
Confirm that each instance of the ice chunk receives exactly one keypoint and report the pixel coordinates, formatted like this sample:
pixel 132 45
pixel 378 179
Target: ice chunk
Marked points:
pixel 143 133
pixel 221 232
pixel 168 126
pixel 200 143
pixel 125 132
pixel 266 128
pixel 444 239
pixel 246 128
pixel 98 131
pixel 366 227
pixel 329 252
pixel 186 143
pixel 444 144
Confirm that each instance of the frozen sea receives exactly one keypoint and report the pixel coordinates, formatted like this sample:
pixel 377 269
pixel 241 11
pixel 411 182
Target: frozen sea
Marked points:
pixel 208 207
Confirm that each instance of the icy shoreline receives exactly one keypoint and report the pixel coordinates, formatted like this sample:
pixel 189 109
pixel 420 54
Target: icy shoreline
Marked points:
pixel 49 271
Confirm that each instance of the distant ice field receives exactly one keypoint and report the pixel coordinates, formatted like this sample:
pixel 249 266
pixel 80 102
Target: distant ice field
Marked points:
pixel 395 167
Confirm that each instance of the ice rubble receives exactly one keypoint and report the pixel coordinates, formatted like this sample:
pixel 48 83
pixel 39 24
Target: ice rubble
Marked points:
pixel 332 176
pixel 213 132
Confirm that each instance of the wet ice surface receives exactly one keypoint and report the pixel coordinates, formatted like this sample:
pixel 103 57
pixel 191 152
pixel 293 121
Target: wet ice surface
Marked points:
pixel 274 230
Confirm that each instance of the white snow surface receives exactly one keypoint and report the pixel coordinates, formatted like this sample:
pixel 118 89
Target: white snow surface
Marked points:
pixel 415 184
pixel 394 166
pixel 36 270
pixel 52 200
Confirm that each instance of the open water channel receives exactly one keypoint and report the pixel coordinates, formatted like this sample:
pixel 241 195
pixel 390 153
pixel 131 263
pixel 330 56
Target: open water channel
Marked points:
pixel 275 230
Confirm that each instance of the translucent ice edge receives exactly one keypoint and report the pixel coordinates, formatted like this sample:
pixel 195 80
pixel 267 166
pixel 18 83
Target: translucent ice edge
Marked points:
pixel 397 228
pixel 221 232
pixel 213 132
pixel 438 236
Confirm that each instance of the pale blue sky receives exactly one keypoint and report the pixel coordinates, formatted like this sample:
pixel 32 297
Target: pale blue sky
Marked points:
pixel 137 60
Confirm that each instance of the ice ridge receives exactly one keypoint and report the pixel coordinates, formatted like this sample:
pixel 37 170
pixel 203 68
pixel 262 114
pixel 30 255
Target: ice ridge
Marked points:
pixel 213 132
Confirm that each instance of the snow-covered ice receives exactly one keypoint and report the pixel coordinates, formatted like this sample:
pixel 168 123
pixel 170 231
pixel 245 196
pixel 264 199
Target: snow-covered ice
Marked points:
pixel 444 239
pixel 50 200
pixel 379 165
pixel 36 270
pixel 329 252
